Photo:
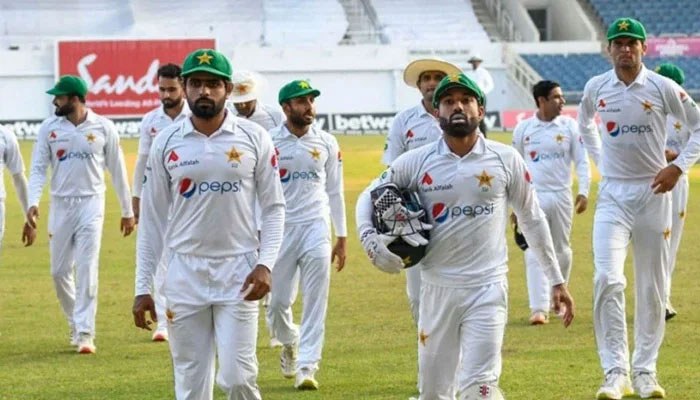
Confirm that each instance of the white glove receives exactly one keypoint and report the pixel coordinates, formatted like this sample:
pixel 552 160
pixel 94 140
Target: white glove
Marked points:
pixel 406 224
pixel 375 247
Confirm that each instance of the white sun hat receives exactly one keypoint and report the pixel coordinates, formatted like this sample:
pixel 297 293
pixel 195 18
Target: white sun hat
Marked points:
pixel 417 67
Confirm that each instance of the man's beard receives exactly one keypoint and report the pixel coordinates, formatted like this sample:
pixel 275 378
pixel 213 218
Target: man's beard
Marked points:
pixel 170 103
pixel 64 110
pixel 297 119
pixel 461 129
pixel 206 108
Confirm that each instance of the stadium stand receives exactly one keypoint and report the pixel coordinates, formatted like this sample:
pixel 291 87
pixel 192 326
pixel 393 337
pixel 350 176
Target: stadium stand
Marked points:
pixel 572 71
pixel 303 22
pixel 660 17
pixel 452 22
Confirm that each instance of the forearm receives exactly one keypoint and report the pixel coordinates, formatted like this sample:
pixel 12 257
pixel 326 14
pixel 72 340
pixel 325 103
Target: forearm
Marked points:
pixel 139 173
pixel 20 182
pixel 271 234
pixel 338 218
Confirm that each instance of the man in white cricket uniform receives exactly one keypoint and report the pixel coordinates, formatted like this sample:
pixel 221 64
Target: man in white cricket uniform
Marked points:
pixel 549 143
pixel 78 145
pixel 311 173
pixel 483 78
pixel 11 158
pixel 244 102
pixel 465 183
pixel 415 127
pixel 677 137
pixel 174 109
pixel 204 175
pixel 633 104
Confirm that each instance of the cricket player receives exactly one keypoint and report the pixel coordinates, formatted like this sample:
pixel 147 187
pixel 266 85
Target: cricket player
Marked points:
pixel 550 143
pixel 413 128
pixel 465 183
pixel 244 102
pixel 311 173
pixel 174 109
pixel 78 145
pixel 677 137
pixel 633 204
pixel 11 158
pixel 482 77
pixel 204 175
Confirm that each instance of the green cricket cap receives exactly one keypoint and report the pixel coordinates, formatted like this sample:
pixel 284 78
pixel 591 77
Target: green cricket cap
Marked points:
pixel 671 71
pixel 457 80
pixel 627 27
pixel 69 84
pixel 207 60
pixel 296 88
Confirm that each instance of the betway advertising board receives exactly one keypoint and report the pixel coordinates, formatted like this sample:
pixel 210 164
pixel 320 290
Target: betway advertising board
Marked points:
pixel 122 74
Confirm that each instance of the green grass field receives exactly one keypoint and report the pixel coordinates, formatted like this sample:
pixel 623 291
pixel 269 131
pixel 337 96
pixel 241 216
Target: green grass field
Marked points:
pixel 370 348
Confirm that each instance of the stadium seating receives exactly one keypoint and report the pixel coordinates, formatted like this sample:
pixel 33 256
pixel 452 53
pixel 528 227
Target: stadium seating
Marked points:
pixel 572 71
pixel 451 22
pixel 659 16
pixel 303 22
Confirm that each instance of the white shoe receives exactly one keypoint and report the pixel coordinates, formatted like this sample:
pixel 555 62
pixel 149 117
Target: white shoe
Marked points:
pixel 539 318
pixel 85 344
pixel 616 385
pixel 305 380
pixel 160 334
pixel 73 337
pixel 646 385
pixel 288 360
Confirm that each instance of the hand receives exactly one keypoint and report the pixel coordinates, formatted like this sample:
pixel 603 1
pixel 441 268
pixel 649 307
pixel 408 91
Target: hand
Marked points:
pixel 259 277
pixel 670 155
pixel 581 203
pixel 563 303
pixel 142 304
pixel 32 216
pixel 127 226
pixel 339 250
pixel 375 247
pixel 136 206
pixel 666 179
pixel 406 223
pixel 28 235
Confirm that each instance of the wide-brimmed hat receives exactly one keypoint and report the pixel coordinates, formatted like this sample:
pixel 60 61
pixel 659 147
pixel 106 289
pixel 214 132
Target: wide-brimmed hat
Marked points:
pixel 413 70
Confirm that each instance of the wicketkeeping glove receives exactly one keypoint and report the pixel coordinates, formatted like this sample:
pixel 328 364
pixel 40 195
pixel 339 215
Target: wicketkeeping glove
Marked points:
pixel 375 247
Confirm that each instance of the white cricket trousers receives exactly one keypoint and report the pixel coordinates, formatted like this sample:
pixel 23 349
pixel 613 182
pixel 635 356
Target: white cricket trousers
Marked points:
pixel 680 210
pixel 207 316
pixel 558 208
pixel 306 247
pixel 413 283
pixel 75 235
pixel 627 210
pixel 470 321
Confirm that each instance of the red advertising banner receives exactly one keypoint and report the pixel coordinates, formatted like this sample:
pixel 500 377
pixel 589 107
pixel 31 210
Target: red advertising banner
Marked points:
pixel 671 47
pixel 121 74
pixel 511 118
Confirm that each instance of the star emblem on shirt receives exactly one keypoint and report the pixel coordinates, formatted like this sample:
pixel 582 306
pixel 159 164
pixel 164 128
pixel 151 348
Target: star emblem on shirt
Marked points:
pixel 234 155
pixel 423 337
pixel 647 105
pixel 315 154
pixel 90 138
pixel 623 25
pixel 304 85
pixel 667 233
pixel 678 126
pixel 204 58
pixel 560 138
pixel 484 179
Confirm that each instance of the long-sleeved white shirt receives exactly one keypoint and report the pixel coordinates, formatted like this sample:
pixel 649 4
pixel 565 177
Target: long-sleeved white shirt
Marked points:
pixel 482 77
pixel 412 128
pixel 264 115
pixel 10 157
pixel 78 156
pixel 153 122
pixel 466 199
pixel 311 172
pixel 549 148
pixel 634 124
pixel 677 134
pixel 199 196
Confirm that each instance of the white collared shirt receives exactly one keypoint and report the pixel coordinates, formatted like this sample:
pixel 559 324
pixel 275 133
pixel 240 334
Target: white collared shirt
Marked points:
pixel 411 129
pixel 634 124
pixel 482 77
pixel 264 115
pixel 311 172
pixel 677 134
pixel 78 156
pixel 466 199
pixel 155 121
pixel 200 193
pixel 549 148
pixel 10 157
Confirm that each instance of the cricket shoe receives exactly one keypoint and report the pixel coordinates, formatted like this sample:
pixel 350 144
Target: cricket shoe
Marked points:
pixel 86 345
pixel 616 385
pixel 539 318
pixel 161 334
pixel 646 385
pixel 288 360
pixel 305 379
